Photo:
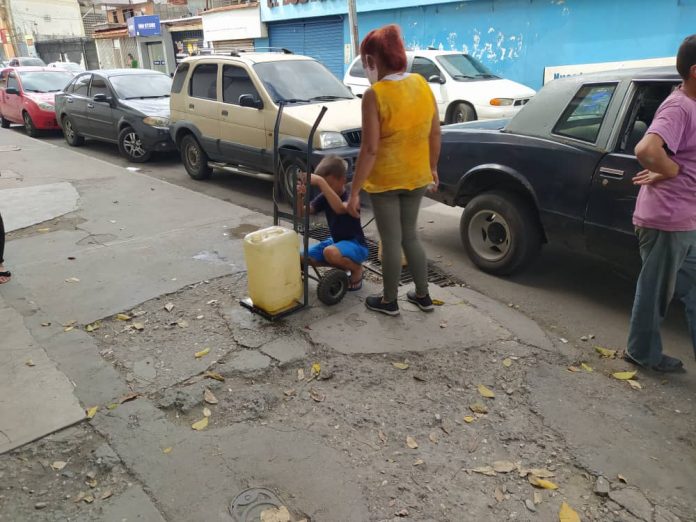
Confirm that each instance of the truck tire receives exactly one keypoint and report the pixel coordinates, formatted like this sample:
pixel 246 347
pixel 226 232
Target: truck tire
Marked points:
pixel 500 232
pixel 291 167
pixel 461 113
pixel 194 158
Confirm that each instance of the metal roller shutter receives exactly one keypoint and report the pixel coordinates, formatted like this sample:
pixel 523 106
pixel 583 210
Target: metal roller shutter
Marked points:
pixel 321 39
pixel 222 46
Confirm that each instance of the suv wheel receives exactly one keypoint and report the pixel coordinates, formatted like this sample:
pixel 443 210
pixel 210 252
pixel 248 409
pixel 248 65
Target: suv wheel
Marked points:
pixel 292 167
pixel 194 158
pixel 29 125
pixel 5 124
pixel 131 146
pixel 71 135
pixel 462 112
pixel 501 232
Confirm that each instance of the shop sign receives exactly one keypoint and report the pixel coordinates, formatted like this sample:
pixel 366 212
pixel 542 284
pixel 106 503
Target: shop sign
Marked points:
pixel 148 25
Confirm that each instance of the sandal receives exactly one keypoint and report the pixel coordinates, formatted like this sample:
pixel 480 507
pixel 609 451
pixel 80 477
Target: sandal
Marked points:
pixel 6 274
pixel 354 286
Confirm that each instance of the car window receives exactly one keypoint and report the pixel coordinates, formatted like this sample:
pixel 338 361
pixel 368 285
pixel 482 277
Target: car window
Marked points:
pixel 81 85
pixel 204 82
pixel 358 71
pixel 583 117
pixel 648 97
pixel 12 81
pixel 98 86
pixel 424 67
pixel 235 83
pixel 145 84
pixel 179 77
pixel 293 80
pixel 45 81
pixel 463 67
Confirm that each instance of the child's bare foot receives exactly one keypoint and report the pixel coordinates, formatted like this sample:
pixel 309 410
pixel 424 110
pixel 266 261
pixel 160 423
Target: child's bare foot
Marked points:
pixel 4 275
pixel 356 280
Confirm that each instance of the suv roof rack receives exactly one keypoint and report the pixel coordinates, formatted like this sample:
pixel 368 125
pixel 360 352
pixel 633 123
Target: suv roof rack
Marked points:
pixel 235 52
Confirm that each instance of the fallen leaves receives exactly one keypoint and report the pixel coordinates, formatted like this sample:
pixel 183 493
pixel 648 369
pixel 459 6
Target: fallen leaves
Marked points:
pixel 107 494
pixel 469 419
pixel 507 362
pixel 300 375
pixel 123 317
pixel 478 408
pixel 537 472
pixel 201 424
pixel 169 307
pixel 568 514
pixel 605 353
pixel 214 375
pixel 541 483
pixel 138 326
pixel 443 324
pixel 202 353
pixel 622 478
pixel 30 363
pixel 167 450
pixel 635 384
pixel 209 397
pixel 316 369
pixel 400 365
pixel 69 325
pixel 316 395
pixel 504 466
pixel 499 495
pixel 207 412
pixel 624 376
pixel 182 323
pixel 72 280
pixel 411 442
pixel 129 397
pixel 382 436
pixel 484 470
pixel 93 326
pixel 58 465
pixel 438 302
pixel 434 438
pixel 46 324
pixel 485 392
pixel 537 498
pixel 586 367
pixel 91 412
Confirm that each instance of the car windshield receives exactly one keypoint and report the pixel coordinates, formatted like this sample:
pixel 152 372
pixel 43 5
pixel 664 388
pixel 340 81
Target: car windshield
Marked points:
pixel 300 81
pixel 32 62
pixel 464 67
pixel 45 81
pixel 141 86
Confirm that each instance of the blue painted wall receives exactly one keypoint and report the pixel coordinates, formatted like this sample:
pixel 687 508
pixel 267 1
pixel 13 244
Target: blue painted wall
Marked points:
pixel 518 38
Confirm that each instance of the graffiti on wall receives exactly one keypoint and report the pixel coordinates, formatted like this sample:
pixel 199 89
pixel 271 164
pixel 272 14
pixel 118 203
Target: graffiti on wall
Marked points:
pixel 490 46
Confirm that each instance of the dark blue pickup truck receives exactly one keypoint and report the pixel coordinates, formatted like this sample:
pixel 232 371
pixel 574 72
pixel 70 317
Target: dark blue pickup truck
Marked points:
pixel 559 171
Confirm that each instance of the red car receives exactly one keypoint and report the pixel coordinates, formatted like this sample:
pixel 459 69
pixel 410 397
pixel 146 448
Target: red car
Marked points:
pixel 27 96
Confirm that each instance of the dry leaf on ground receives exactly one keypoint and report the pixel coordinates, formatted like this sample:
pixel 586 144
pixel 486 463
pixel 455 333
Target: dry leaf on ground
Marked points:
pixel 469 419
pixel 586 367
pixel 300 375
pixel 419 462
pixel 433 438
pixel 169 307
pixel 507 362
pixel 486 392
pixel 400 365
pixel 635 384
pixel 167 450
pixel 411 442
pixel 438 302
pixel 107 494
pixel 504 466
pixel 30 362
pixel 207 412
pixel 91 412
pixel 568 514
pixel 316 395
pixel 201 424
pixel 129 397
pixel 72 280
pixel 214 375
pixel 485 470
pixel 315 369
pixel 622 478
pixel 499 495
pixel 112 406
pixel 58 465
pixel 537 497
pixel 478 408
pixel 573 369
pixel 139 326
pixel 624 376
pixel 202 353
pixel 123 317
pixel 93 326
pixel 382 436
pixel 209 397
pixel 605 353
pixel 279 514
pixel 541 483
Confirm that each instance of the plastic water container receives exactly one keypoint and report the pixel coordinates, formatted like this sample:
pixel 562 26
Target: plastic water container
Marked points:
pixel 273 268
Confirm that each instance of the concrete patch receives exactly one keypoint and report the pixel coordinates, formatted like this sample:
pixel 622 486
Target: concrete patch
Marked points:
pixel 35 397
pixel 246 361
pixel 287 349
pixel 454 325
pixel 131 505
pixel 27 206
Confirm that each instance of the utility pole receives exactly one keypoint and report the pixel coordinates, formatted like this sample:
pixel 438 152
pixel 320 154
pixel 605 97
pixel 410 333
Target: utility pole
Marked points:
pixel 353 28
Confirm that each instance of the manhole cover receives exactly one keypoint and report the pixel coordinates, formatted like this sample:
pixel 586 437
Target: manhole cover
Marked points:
pixel 250 503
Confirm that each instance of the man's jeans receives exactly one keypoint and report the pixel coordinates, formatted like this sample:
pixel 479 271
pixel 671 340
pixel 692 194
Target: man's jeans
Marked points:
pixel 669 270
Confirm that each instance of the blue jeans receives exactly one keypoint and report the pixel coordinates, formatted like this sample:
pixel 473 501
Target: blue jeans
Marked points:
pixel 669 270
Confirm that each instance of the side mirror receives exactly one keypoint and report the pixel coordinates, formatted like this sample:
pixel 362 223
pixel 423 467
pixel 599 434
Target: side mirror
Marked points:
pixel 12 90
pixel 249 100
pixel 436 78
pixel 101 98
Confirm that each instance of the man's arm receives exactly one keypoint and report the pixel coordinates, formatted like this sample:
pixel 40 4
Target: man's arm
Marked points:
pixel 368 149
pixel 301 194
pixel 332 198
pixel 652 155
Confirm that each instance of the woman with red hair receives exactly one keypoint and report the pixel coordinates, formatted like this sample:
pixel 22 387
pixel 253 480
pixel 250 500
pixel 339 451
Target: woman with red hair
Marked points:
pixel 397 162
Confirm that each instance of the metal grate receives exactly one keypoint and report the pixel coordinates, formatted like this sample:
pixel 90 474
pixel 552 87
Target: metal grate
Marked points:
pixel 436 275
pixel 353 137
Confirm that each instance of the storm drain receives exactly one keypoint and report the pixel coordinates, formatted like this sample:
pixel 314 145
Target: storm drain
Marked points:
pixel 436 275
pixel 250 503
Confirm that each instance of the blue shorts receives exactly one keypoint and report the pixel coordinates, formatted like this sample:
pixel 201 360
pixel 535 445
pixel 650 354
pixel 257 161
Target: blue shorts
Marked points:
pixel 351 249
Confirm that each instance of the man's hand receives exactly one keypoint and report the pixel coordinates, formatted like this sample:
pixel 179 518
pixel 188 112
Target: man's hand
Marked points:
pixel 648 177
pixel 353 205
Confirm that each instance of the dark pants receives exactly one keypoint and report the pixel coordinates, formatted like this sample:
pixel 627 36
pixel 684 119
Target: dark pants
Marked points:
pixel 2 240
pixel 396 213
pixel 669 270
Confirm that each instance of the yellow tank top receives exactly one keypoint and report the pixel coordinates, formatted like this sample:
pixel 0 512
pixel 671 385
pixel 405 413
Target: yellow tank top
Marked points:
pixel 406 109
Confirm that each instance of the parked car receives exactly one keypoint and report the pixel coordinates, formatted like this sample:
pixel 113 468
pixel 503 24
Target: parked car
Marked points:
pixel 129 107
pixel 27 61
pixel 464 89
pixel 27 96
pixel 72 67
pixel 224 107
pixel 559 171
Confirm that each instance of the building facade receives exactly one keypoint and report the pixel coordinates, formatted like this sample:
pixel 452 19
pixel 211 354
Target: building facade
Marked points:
pixel 233 27
pixel 515 38
pixel 43 21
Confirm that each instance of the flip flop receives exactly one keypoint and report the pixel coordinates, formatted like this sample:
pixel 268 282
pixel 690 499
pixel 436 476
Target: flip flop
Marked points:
pixel 354 287
pixel 6 274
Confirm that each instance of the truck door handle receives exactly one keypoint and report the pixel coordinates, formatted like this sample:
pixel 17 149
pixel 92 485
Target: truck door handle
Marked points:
pixel 190 105
pixel 606 172
pixel 225 113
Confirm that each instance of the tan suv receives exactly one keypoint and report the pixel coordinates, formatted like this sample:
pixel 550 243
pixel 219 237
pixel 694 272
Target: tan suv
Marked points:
pixel 224 108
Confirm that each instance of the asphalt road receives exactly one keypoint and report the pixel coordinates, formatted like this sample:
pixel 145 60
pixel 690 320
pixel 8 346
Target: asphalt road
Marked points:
pixel 566 293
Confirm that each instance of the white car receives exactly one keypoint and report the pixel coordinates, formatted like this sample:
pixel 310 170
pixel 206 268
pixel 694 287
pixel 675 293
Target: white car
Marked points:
pixel 464 88
pixel 74 68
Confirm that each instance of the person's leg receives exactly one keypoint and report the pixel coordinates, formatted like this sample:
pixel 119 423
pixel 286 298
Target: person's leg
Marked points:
pixel 413 248
pixel 386 208
pixel 663 254
pixel 3 278
pixel 340 256
pixel 316 253
pixel 685 290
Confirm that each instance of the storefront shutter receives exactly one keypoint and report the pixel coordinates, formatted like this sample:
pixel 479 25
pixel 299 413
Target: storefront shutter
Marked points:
pixel 223 46
pixel 321 39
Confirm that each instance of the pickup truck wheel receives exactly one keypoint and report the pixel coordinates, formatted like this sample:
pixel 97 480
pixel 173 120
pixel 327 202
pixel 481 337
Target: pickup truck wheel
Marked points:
pixel 292 167
pixel 194 158
pixel 462 112
pixel 5 124
pixel 500 232
pixel 29 126
pixel 71 136
pixel 131 146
